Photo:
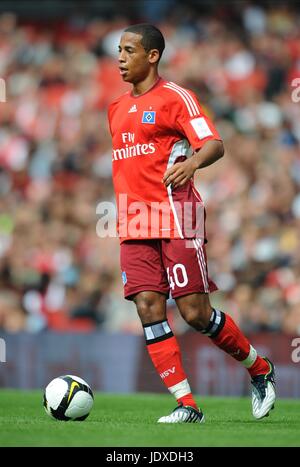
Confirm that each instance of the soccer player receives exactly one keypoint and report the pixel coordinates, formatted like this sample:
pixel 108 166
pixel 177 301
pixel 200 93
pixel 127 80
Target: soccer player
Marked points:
pixel 153 127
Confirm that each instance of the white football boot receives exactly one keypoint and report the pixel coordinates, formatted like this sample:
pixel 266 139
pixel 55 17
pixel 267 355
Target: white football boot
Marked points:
pixel 183 414
pixel 263 392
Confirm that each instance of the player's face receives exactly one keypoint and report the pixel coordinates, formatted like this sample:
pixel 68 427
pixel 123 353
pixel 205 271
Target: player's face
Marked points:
pixel 134 61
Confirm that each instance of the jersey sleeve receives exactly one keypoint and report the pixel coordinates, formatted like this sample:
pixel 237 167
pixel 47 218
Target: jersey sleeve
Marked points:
pixel 189 119
pixel 109 116
pixel 111 111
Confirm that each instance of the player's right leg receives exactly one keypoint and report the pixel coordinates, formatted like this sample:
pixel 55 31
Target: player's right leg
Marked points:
pixel 165 354
pixel 145 282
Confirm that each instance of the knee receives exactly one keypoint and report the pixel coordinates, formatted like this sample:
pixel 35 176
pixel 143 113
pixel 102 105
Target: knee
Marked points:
pixel 150 307
pixel 145 305
pixel 196 313
pixel 196 318
pixel 195 310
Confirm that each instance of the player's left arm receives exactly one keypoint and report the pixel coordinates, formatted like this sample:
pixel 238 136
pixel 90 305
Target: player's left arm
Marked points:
pixel 180 173
pixel 187 116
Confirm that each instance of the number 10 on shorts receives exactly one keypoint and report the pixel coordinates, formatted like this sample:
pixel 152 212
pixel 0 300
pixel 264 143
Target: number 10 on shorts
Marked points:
pixel 177 276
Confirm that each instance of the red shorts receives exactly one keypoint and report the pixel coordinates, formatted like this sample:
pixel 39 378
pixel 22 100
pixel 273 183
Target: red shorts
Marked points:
pixel 167 265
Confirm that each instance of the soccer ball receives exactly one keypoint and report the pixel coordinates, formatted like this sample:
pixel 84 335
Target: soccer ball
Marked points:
pixel 68 398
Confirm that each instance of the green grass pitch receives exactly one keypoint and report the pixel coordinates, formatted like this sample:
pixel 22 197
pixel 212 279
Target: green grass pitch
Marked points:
pixel 130 421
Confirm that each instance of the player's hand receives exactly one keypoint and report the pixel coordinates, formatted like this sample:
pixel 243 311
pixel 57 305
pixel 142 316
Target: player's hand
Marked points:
pixel 180 173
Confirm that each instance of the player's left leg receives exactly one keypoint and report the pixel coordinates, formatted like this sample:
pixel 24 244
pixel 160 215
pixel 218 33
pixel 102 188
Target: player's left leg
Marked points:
pixel 226 335
pixel 190 285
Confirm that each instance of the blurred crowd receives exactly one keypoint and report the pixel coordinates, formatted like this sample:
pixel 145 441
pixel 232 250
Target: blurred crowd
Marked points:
pixel 55 164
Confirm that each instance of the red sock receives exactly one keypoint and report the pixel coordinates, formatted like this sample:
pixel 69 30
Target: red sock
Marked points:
pixel 259 367
pixel 232 341
pixel 166 357
pixel 188 399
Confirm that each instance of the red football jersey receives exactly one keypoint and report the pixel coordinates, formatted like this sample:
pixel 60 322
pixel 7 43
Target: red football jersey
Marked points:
pixel 150 133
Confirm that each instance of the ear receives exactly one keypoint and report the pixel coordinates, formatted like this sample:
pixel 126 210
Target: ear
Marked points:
pixel 153 56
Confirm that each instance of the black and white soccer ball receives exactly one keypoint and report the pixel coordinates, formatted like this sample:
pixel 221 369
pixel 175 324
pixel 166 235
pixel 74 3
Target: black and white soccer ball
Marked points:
pixel 68 398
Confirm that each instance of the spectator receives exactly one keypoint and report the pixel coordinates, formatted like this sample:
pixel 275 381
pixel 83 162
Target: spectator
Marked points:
pixel 55 165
